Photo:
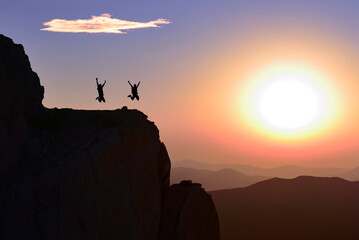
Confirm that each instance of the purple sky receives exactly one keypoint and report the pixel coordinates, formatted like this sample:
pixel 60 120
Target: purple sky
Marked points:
pixel 166 59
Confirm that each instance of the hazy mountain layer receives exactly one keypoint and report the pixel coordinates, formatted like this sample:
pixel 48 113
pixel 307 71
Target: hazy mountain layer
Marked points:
pixel 214 180
pixel 287 171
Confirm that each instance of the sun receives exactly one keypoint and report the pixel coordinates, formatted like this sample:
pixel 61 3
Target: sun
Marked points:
pixel 287 101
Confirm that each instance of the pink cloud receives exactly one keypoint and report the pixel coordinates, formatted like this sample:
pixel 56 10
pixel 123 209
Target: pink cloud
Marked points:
pixel 99 24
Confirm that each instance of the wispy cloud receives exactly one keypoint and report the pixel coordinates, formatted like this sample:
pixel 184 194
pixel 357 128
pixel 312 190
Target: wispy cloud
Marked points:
pixel 98 24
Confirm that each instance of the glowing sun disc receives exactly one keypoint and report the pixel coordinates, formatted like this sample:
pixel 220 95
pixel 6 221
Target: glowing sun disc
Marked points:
pixel 289 103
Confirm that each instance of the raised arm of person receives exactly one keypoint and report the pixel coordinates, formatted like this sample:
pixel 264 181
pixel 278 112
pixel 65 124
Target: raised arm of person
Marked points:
pixel 96 81
pixel 138 84
pixel 130 83
pixel 104 83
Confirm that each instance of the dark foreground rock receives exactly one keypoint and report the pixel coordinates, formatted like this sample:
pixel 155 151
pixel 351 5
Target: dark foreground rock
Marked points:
pixel 21 93
pixel 188 213
pixel 73 174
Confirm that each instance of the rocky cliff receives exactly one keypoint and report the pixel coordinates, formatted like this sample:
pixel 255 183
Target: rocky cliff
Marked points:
pixel 71 174
pixel 21 93
pixel 188 213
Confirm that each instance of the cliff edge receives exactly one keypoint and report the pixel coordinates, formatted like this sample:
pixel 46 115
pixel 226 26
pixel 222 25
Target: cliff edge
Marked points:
pixel 75 174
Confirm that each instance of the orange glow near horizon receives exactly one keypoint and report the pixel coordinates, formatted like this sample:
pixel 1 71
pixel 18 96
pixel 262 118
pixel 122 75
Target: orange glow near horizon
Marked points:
pixel 228 114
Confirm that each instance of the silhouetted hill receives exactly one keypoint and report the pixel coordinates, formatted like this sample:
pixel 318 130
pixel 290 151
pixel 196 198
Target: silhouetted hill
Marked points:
pixel 77 174
pixel 287 171
pixel 300 208
pixel 214 180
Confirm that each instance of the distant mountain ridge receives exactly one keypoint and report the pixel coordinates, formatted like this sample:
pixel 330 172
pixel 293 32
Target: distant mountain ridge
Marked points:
pixel 287 171
pixel 352 175
pixel 214 180
pixel 300 208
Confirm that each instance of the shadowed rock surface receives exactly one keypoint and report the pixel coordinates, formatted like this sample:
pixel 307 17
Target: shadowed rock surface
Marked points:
pixel 74 174
pixel 188 213
pixel 21 93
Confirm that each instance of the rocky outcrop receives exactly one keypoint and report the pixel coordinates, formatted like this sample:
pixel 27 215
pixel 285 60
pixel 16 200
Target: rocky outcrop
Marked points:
pixel 21 93
pixel 88 175
pixel 74 174
pixel 188 214
pixel 21 89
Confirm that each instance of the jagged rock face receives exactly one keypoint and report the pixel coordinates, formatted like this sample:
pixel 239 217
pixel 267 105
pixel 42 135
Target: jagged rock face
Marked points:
pixel 21 93
pixel 188 214
pixel 20 86
pixel 72 174
pixel 69 174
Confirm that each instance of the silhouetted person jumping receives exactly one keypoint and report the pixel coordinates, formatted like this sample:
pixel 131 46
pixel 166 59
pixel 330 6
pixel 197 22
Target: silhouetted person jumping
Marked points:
pixel 134 91
pixel 100 97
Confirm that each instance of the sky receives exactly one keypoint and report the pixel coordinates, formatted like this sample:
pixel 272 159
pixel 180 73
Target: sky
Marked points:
pixel 212 73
